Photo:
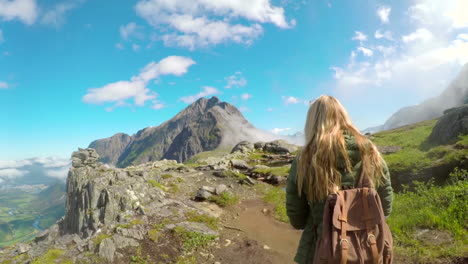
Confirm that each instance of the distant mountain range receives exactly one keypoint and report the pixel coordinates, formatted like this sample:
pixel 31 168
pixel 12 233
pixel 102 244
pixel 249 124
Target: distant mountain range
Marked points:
pixel 454 95
pixel 202 126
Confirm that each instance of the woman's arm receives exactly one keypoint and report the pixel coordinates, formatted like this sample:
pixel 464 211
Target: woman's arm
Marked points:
pixel 385 190
pixel 297 206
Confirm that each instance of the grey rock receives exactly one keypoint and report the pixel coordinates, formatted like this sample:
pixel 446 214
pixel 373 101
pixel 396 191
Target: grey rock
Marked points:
pixel 107 249
pixel 195 227
pixel 22 248
pixel 249 181
pixel 220 188
pixel 202 195
pixel 279 147
pixel 208 189
pixel 243 147
pixel 453 123
pixel 259 166
pixel 123 242
pixel 133 233
pixel 240 164
pixel 259 145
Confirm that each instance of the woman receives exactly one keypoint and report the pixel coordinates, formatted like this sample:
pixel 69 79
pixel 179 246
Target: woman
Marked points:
pixel 335 156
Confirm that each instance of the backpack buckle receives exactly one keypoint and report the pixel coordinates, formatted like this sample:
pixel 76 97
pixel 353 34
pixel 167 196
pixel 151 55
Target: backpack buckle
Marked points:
pixel 371 240
pixel 341 243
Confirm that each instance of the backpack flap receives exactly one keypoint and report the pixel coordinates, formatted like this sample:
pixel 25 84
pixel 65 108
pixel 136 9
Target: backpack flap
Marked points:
pixel 352 199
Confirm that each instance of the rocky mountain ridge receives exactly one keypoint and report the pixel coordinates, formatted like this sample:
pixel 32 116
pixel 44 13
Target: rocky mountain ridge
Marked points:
pixel 204 125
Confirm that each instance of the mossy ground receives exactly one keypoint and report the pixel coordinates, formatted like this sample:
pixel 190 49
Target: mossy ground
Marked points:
pixel 417 153
pixel 224 199
pixel 277 171
pixel 431 208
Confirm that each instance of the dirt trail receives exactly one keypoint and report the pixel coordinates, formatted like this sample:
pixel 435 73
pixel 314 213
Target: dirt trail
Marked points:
pixel 262 239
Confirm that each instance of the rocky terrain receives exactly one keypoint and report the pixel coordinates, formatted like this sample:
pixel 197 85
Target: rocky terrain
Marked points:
pixel 168 212
pixel 454 95
pixel 204 125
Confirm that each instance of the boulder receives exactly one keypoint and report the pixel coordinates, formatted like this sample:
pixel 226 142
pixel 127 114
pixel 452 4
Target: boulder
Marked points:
pixel 453 123
pixel 107 249
pixel 279 147
pixel 202 195
pixel 22 248
pixel 259 145
pixel 220 188
pixel 243 147
pixel 240 164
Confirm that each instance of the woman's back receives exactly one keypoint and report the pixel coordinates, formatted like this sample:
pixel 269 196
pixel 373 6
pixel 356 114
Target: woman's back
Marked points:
pixel 334 157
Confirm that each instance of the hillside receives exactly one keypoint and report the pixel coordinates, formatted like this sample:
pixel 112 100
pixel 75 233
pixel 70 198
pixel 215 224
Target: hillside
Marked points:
pixel 204 125
pixel 454 95
pixel 416 153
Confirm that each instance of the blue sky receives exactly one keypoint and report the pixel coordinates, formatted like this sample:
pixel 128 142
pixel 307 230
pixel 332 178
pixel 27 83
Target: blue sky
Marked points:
pixel 75 71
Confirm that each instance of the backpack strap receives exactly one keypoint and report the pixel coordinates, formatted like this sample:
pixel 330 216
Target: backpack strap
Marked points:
pixel 371 240
pixel 344 242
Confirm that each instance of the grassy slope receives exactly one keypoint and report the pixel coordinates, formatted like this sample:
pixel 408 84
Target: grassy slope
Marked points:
pixel 428 208
pixel 416 154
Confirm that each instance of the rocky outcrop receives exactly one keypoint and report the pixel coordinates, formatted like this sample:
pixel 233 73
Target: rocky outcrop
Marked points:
pixel 204 125
pixel 97 195
pixel 452 124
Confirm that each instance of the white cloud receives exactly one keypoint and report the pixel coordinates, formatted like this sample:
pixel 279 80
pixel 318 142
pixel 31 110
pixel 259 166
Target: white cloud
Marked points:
pixel 290 100
pixel 56 15
pixel 51 162
pixel 12 173
pixel 24 10
pixel 367 52
pixel 279 130
pixel 386 35
pixel 207 90
pixel 236 80
pixel 421 34
pixel 358 35
pixel 442 13
pixel 244 109
pixel 156 105
pixel 199 23
pixel 246 96
pixel 135 47
pixel 384 13
pixel 59 173
pixel 136 89
pixel 4 85
pixel 131 30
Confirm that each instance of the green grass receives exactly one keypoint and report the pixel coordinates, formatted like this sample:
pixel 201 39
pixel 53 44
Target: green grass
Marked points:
pixel 193 240
pixel 225 199
pixel 434 208
pixel 51 257
pixel 166 176
pixel 97 240
pixel 277 171
pixel 157 185
pixel 194 216
pixel 417 153
pixel 233 174
pixel 411 139
pixel 276 196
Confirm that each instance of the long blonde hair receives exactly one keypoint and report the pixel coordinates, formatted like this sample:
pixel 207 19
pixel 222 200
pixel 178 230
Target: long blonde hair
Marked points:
pixel 317 172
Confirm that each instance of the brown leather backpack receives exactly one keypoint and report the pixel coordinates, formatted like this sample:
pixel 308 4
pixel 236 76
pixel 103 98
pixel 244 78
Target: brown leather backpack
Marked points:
pixel 354 229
